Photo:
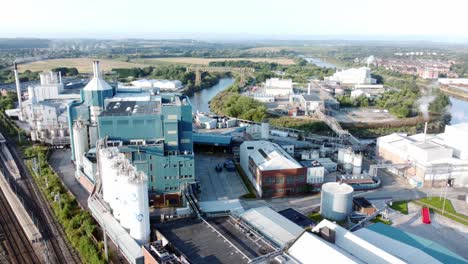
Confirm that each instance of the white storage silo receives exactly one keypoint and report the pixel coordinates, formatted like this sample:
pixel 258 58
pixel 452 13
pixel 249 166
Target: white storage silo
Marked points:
pixel 341 155
pixel 357 164
pixel 138 206
pixel 337 200
pixel 80 142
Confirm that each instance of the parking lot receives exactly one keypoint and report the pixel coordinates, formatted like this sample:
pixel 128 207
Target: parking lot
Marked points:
pixel 223 185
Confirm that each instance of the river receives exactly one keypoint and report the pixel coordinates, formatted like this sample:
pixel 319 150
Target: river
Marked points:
pixel 458 110
pixel 320 62
pixel 201 98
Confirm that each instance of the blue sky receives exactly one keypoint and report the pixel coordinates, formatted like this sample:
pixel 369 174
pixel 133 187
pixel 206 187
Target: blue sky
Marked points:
pixel 444 20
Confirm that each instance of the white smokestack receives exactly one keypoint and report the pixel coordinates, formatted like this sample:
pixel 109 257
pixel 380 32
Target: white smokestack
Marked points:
pixel 18 92
pixel 308 89
pixel 96 69
pixel 60 77
pixel 425 131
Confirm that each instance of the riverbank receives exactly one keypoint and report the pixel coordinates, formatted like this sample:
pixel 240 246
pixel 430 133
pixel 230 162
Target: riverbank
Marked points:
pixel 455 91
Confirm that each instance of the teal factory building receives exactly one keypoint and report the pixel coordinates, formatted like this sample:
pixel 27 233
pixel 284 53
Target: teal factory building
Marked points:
pixel 153 130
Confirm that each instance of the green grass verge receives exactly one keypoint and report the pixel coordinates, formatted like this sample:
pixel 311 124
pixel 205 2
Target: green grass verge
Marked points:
pixel 251 191
pixel 400 206
pixel 379 219
pixel 316 217
pixel 78 224
pixel 436 205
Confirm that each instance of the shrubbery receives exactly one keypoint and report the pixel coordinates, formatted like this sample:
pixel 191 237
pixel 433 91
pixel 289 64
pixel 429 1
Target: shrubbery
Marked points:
pixel 78 224
pixel 230 103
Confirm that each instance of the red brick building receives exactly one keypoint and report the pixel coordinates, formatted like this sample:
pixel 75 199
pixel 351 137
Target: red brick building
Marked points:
pixel 271 170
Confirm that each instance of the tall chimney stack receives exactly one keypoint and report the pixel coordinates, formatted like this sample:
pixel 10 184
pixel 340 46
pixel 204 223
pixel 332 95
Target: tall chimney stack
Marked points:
pixel 425 131
pixel 96 70
pixel 308 89
pixel 18 92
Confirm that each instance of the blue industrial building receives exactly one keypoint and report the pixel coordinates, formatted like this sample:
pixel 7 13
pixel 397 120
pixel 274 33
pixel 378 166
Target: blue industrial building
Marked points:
pixel 153 130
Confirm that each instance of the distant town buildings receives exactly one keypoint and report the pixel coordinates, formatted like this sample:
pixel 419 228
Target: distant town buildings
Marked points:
pixel 427 69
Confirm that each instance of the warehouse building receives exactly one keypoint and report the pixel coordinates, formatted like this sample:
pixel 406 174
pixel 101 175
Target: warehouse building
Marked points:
pixel 271 170
pixel 169 85
pixel 278 87
pixel 272 225
pixel 436 160
pixel 338 245
pixel 154 131
pixel 352 76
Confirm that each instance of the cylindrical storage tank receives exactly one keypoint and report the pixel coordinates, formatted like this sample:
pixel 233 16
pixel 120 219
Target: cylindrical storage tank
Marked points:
pixel 140 229
pixel 80 142
pixel 61 133
pixel 348 156
pixel 265 130
pixel 341 155
pixel 33 135
pixel 337 200
pixel 53 133
pixel 125 203
pixel 106 170
pixel 357 164
pixel 115 203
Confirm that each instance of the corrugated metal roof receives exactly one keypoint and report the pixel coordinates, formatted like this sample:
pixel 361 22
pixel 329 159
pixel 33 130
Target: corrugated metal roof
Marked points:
pixel 432 248
pixel 272 225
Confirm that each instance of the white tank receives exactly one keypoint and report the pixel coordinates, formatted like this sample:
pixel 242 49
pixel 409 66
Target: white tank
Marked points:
pixel 62 133
pixel 44 134
pixel 348 156
pixel 336 202
pixel 265 130
pixel 139 206
pixel 33 135
pixel 341 155
pixel 80 142
pixel 357 164
pixel 348 168
pixel 53 133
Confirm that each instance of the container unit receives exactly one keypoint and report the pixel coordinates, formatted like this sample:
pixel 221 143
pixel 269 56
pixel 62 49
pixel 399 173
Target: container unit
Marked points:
pixel 337 200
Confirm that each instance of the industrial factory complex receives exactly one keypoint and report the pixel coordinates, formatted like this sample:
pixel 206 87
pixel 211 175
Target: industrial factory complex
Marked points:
pixel 169 184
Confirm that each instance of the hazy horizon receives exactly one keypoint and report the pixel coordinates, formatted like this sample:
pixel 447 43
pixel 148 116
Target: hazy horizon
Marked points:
pixel 241 20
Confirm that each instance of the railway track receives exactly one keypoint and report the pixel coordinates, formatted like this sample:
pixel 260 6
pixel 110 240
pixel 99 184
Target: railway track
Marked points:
pixel 57 249
pixel 14 240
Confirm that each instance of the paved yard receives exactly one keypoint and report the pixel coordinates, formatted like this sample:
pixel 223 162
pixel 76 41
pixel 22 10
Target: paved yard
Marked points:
pixel 442 230
pixel 61 162
pixel 222 185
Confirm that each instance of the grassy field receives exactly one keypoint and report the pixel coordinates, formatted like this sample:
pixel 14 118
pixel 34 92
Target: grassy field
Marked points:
pixel 436 205
pixel 84 65
pixel 401 207
pixel 205 61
